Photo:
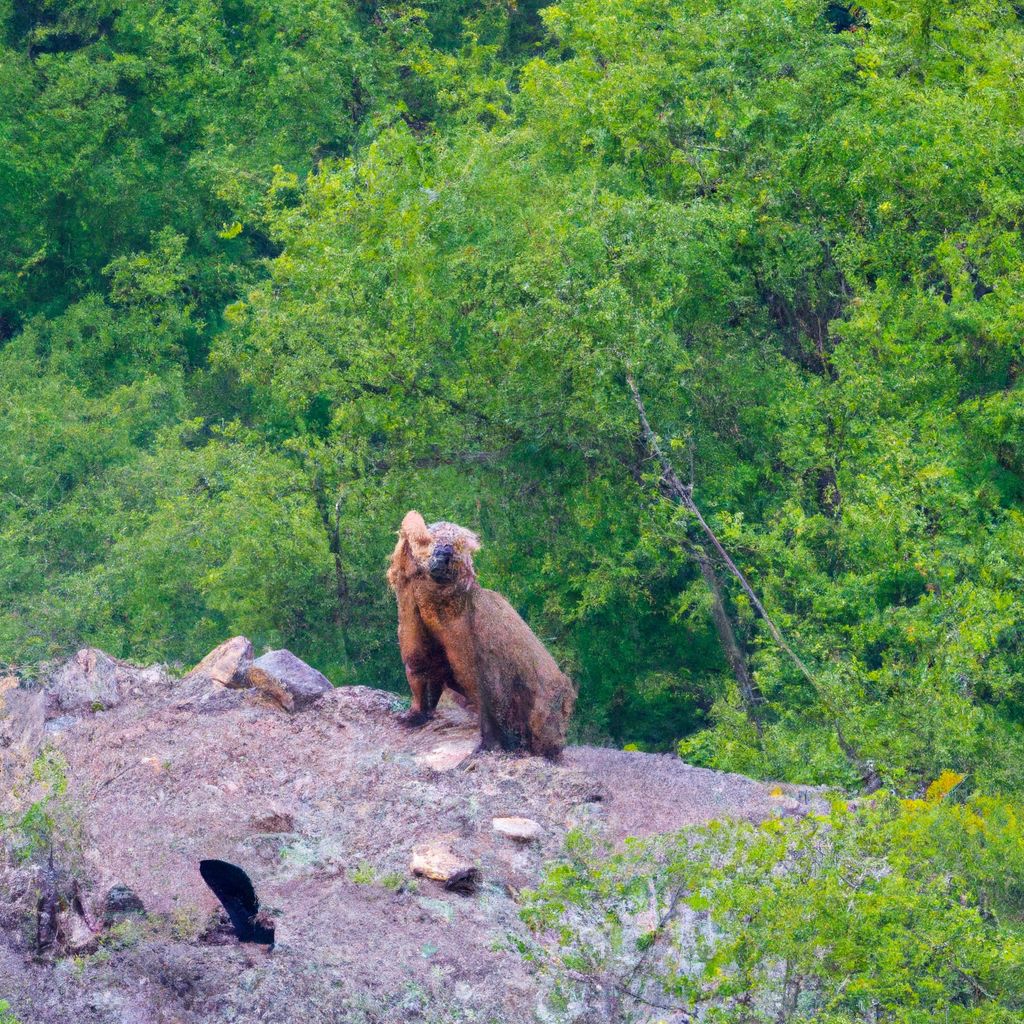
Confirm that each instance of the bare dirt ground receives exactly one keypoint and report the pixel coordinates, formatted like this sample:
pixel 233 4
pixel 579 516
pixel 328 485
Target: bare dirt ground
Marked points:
pixel 322 809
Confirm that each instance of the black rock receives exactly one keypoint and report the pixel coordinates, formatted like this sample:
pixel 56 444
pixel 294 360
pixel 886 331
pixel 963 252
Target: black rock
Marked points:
pixel 121 903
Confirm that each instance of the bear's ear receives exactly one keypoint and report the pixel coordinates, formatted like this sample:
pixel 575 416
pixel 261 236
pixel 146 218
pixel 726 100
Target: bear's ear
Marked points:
pixel 415 531
pixel 470 541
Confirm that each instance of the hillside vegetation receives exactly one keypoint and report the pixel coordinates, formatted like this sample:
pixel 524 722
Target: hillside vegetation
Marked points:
pixel 275 272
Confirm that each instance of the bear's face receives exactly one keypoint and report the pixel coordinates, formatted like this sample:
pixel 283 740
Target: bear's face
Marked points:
pixel 451 552
pixel 443 550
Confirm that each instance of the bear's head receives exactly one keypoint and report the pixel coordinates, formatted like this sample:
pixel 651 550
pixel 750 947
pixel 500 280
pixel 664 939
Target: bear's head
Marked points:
pixel 443 551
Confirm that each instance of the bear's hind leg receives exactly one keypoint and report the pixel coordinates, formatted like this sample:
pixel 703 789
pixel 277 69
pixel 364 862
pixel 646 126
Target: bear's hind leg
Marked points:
pixel 490 731
pixel 495 733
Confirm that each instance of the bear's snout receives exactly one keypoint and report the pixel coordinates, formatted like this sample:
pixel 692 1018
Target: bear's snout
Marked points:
pixel 440 563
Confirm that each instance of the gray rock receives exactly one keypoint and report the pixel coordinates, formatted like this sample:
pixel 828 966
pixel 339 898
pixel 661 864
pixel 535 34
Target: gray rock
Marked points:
pixel 55 726
pixel 288 680
pixel 94 681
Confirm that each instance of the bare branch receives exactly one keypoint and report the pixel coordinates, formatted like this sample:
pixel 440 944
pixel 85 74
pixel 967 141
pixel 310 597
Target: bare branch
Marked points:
pixel 683 494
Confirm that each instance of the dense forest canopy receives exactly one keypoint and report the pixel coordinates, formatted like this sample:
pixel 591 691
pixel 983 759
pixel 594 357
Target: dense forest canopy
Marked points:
pixel 276 271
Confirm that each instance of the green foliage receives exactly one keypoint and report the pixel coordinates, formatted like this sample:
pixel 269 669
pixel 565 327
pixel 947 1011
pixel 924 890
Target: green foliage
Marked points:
pixel 6 1014
pixel 277 273
pixel 48 825
pixel 893 911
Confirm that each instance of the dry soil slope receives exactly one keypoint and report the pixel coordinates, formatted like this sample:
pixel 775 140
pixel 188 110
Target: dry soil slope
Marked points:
pixel 323 809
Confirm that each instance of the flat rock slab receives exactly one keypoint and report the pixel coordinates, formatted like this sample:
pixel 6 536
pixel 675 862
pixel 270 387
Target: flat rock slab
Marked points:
pixel 288 680
pixel 523 830
pixel 448 755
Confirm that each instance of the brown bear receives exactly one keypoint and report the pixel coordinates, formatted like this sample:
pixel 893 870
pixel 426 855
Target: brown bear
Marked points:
pixel 453 633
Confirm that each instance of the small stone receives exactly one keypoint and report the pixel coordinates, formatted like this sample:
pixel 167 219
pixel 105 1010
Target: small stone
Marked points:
pixel 288 680
pixel 523 830
pixel 439 862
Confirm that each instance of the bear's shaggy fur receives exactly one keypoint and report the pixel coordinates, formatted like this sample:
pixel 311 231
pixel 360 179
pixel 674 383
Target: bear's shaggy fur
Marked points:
pixel 453 633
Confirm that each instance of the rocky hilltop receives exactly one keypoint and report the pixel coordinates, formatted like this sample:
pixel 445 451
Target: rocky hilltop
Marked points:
pixel 390 861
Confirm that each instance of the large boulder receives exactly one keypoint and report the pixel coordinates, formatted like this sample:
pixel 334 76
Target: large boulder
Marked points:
pixel 215 683
pixel 225 665
pixel 288 680
pixel 94 681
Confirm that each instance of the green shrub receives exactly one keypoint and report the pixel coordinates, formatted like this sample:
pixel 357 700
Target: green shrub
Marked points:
pixel 6 1016
pixel 895 911
pixel 49 821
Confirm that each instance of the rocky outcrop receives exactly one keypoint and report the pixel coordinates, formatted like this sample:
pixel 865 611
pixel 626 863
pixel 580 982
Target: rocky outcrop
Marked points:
pixel 94 681
pixel 288 680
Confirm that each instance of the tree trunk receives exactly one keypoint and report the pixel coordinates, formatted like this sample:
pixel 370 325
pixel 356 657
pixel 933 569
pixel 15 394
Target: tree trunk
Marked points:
pixel 333 533
pixel 734 654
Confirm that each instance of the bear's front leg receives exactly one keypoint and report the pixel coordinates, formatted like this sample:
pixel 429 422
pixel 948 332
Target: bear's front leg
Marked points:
pixel 426 683
pixel 426 665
